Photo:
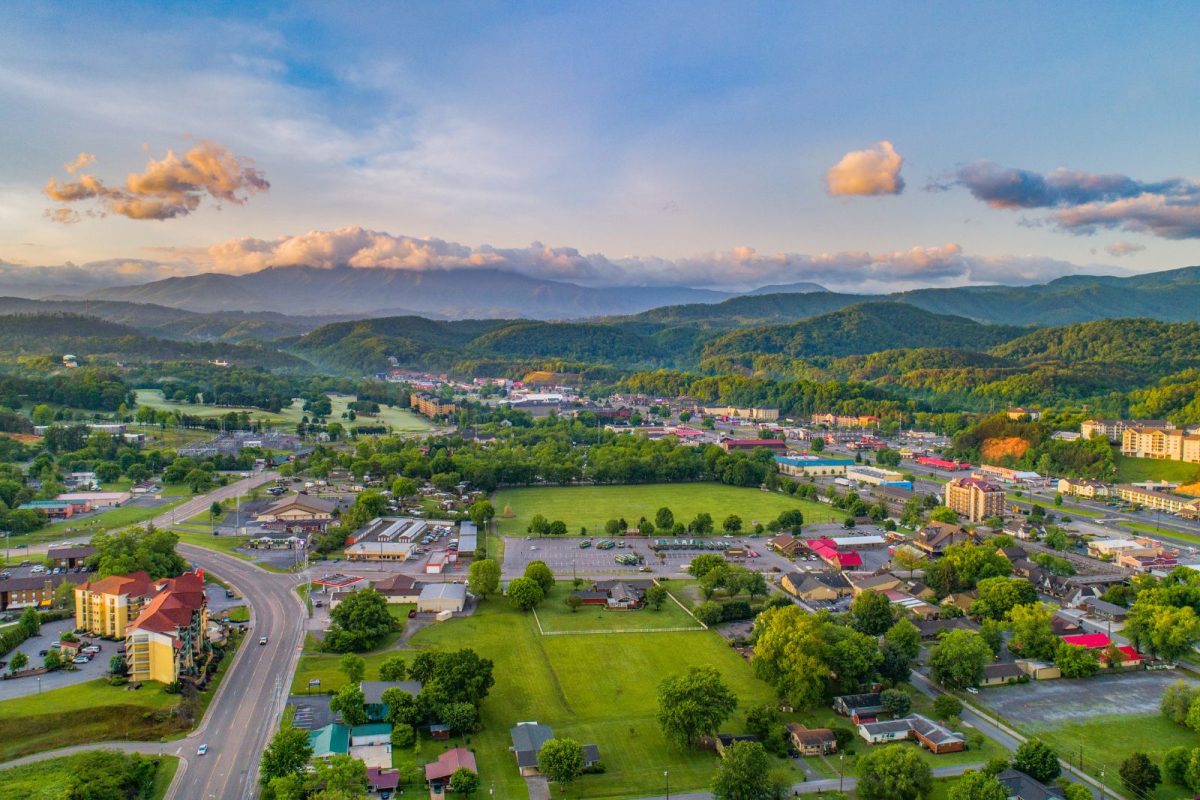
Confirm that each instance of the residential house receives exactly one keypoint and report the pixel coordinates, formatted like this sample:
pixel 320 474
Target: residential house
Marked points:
pixel 723 741
pixel 974 499
pixel 913 606
pixel 1104 610
pixel 918 590
pixel 1022 787
pixel 933 628
pixel 935 537
pixel 1018 528
pixel 934 737
pixel 377 710
pixel 1001 673
pixel 382 781
pixel 623 595
pixel 859 707
pixel 399 588
pixel 883 582
pixel 70 556
pixel 437 773
pixel 818 586
pixel 527 740
pixel 811 741
pixel 167 641
pixel 785 544
pixel 961 600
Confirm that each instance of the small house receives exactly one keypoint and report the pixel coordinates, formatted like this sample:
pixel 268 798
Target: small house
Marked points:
pixel 1002 673
pixel 811 741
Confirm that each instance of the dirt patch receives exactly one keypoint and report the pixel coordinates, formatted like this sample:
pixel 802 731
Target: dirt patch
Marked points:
pixel 1190 489
pixel 998 448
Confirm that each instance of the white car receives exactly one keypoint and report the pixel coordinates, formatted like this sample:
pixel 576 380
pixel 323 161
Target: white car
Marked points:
pixel 202 749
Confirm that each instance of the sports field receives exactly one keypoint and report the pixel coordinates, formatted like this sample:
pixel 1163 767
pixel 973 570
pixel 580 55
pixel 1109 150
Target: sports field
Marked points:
pixel 597 689
pixel 592 506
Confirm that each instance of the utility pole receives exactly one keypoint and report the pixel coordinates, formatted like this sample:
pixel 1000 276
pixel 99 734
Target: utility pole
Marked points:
pixel 667 778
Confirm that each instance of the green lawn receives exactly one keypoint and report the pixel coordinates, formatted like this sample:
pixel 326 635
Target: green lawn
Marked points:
pixel 238 614
pixel 86 712
pixel 556 616
pixel 48 780
pixel 1130 470
pixel 596 689
pixel 400 420
pixel 592 506
pixel 1107 741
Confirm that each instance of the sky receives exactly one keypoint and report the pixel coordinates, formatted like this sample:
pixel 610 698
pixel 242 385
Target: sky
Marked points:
pixel 866 146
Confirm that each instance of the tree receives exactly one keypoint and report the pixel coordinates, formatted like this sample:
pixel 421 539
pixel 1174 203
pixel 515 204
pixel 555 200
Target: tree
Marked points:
pixel 53 660
pixel 561 760
pixel 904 637
pixel 1166 631
pixel 18 662
pixel 481 512
pixel 732 524
pixel 525 593
pixel 464 781
pixel 947 706
pixel 574 602
pixel 896 702
pixel 693 705
pixel 350 703
pixel 612 527
pixel 1032 631
pixel 460 676
pixel 655 597
pixel 402 707
pixel 403 735
pixel 702 523
pixel 789 654
pixel 484 577
pixel 539 573
pixel 895 772
pixel 816 445
pixel 116 665
pixel 393 668
pixel 745 774
pixel 943 514
pixel 354 667
pixel 343 778
pixel 664 519
pixel 30 621
pixel 287 754
pixel 702 564
pixel 360 622
pixel 958 659
pixel 1077 791
pixel 198 481
pixel 1075 661
pixel 1176 701
pixel 1175 764
pixel 978 786
pixel 404 488
pixel 215 509
pixel 790 520
pixel 871 613
pixel 708 613
pixel 1037 760
pixel 907 558
pixel 998 595
pixel 992 631
pixel 461 717
pixel 1140 775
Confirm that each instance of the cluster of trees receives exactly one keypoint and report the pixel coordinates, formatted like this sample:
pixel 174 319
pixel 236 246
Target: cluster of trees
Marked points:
pixel 360 622
pixel 109 773
pixel 1180 703
pixel 1162 620
pixel 149 548
pixel 85 387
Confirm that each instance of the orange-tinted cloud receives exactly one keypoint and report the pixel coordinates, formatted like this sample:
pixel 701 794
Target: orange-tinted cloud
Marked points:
pixel 873 171
pixel 170 187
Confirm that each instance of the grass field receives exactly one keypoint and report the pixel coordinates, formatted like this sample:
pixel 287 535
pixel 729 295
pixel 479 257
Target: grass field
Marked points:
pixel 592 506
pixel 400 420
pixel 1107 741
pixel 1130 470
pixel 86 712
pixel 555 616
pixel 48 780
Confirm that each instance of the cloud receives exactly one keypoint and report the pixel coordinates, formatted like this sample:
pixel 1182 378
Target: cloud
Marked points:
pixel 873 171
pixel 1084 202
pixel 738 268
pixel 171 187
pixel 1119 249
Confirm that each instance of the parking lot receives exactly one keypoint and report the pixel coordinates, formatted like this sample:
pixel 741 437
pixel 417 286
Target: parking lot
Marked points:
pixel 1049 703
pixel 32 648
pixel 565 557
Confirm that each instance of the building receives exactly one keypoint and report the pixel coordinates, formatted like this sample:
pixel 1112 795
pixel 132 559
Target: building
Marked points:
pixel 936 536
pixel 379 551
pixel 167 641
pixel 107 606
pixel 33 591
pixel 431 405
pixel 845 420
pixel 806 466
pixel 1114 429
pixel 884 582
pixel 468 538
pixel 377 710
pixel 527 740
pixel 933 628
pixel 96 499
pixel 933 737
pixel 70 556
pixel 330 740
pixel 383 782
pixel 439 597
pixel 405 530
pixel 831 554
pixel 437 773
pixel 1168 445
pixel 1100 641
pixel 892 496
pixel 941 463
pixel 1022 787
pixel 859 707
pixel 995 472
pixel 733 445
pixel 876 476
pixel 1001 673
pixel 1162 501
pixel 812 741
pixel 750 413
pixel 1084 488
pixel 974 499
pixel 399 588
pixel 298 511
pixel 785 544
pixel 1113 548
pixel 56 509
pixel 817 586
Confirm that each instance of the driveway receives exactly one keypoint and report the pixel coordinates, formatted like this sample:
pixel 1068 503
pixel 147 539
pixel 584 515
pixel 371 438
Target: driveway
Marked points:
pixel 24 687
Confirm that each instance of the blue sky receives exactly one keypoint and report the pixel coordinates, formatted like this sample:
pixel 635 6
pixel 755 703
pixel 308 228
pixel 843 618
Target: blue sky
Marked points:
pixel 639 143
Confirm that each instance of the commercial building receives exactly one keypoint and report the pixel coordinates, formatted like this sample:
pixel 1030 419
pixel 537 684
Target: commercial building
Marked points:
pixel 56 509
pixel 738 412
pixel 994 472
pixel 1114 429
pixel 166 641
pixel 805 466
pixel 379 551
pixel 974 499
pixel 439 597
pixel 33 591
pixel 1188 507
pixel 1166 445
pixel 845 420
pixel 96 499
pixel 1084 488
pixel 876 476
pixel 431 405
pixel 775 445
pixel 892 496
pixel 298 511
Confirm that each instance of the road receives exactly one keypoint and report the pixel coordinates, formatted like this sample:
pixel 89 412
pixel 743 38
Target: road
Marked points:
pixel 825 784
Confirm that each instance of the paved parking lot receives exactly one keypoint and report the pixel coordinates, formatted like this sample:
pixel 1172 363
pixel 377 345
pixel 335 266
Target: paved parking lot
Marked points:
pixel 564 556
pixel 24 687
pixel 1055 702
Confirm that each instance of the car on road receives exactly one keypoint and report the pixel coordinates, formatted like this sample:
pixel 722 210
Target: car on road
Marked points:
pixel 262 640
pixel 202 749
pixel 81 659
pixel 972 690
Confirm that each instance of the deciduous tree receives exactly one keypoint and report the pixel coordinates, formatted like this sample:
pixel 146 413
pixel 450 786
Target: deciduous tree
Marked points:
pixel 693 705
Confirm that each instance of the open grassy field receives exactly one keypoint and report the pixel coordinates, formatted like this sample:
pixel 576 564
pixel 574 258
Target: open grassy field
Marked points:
pixel 48 780
pixel 1130 470
pixel 592 506
pixel 400 420
pixel 86 712
pixel 1107 741
pixel 555 616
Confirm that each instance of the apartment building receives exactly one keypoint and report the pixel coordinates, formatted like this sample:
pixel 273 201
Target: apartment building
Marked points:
pixel 845 420
pixel 107 606
pixel 1167 445
pixel 167 639
pixel 1162 501
pixel 975 499
pixel 1114 429
pixel 738 412
pixel 430 405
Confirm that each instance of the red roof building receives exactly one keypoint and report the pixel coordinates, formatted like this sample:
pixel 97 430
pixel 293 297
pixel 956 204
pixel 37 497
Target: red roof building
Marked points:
pixel 939 463
pixel 1100 641
pixel 448 762
pixel 827 551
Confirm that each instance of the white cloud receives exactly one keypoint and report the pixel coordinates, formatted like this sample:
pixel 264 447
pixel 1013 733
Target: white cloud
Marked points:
pixel 873 171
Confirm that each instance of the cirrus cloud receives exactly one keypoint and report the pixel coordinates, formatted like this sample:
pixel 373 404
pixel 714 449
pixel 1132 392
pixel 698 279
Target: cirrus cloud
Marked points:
pixel 873 171
pixel 170 187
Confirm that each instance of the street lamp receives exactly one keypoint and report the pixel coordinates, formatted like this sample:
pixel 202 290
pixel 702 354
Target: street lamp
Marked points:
pixel 841 772
pixel 667 778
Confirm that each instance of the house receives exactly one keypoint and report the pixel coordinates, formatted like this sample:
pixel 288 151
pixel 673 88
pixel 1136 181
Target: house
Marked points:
pixel 828 552
pixel 439 597
pixel 723 741
pixel 785 544
pixel 1019 529
pixel 377 710
pixel 1022 787
pixel 623 594
pixel 299 511
pixel 70 556
pixel 936 536
pixel 933 628
pixel 884 582
pixel 382 781
pixel 331 740
pixel 932 736
pixel 910 605
pixel 398 588
pixel 919 590
pixel 1039 670
pixel 974 499
pixel 437 773
pixel 811 741
pixel 822 586
pixel 1101 642
pixel 167 640
pixel 1001 673
pixel 859 707
pixel 961 600
pixel 1104 610
pixel 527 740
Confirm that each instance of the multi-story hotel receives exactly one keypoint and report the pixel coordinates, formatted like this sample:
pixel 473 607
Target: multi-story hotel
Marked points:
pixel 975 499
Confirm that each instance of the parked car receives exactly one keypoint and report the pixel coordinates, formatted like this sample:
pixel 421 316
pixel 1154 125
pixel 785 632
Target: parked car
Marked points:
pixel 81 659
pixel 412 613
pixel 230 593
pixel 43 653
